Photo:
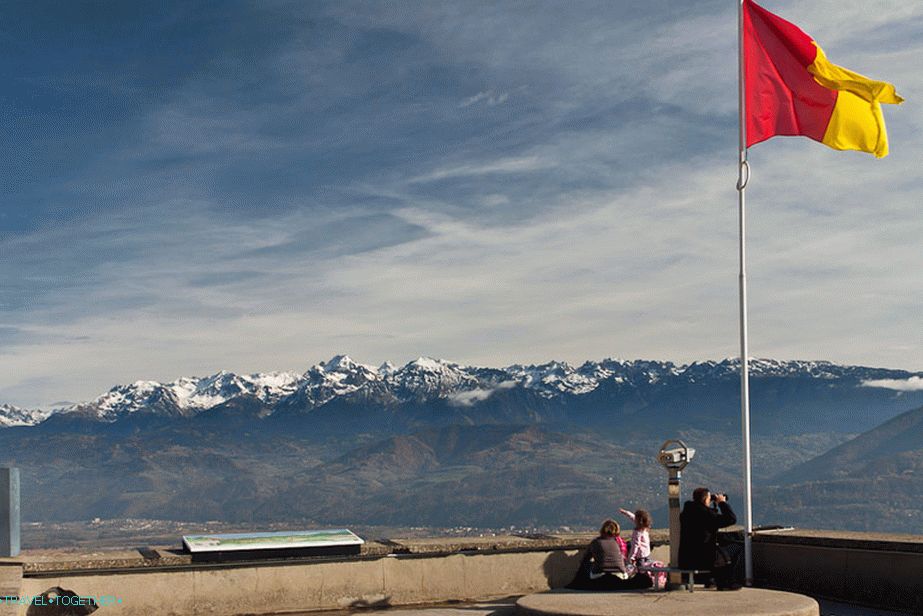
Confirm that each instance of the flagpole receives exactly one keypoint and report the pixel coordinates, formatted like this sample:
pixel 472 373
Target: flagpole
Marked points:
pixel 743 176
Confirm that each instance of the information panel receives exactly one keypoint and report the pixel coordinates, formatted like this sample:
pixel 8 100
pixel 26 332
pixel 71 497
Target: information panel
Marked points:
pixel 285 539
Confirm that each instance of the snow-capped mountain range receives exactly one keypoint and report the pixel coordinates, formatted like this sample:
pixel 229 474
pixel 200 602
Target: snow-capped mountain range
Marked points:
pixel 425 379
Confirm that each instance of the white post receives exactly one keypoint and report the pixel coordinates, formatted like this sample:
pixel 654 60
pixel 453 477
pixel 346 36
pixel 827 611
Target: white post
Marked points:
pixel 743 177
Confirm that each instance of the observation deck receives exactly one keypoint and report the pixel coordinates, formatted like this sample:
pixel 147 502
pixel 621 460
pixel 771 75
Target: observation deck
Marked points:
pixel 877 570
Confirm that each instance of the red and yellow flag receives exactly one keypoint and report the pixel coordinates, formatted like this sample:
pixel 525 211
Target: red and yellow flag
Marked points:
pixel 792 89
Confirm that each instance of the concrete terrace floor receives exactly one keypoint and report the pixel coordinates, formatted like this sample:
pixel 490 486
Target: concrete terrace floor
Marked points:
pixel 507 607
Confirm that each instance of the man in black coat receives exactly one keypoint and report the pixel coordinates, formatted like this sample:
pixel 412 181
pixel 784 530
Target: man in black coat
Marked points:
pixel 698 539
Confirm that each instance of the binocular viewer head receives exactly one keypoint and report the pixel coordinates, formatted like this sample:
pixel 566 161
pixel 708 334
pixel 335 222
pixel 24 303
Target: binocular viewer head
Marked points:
pixel 675 455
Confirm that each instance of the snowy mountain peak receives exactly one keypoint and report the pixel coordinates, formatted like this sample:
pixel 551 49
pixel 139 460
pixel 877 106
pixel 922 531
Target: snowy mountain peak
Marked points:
pixel 558 377
pixel 431 364
pixel 428 377
pixel 386 368
pixel 343 363
pixel 11 416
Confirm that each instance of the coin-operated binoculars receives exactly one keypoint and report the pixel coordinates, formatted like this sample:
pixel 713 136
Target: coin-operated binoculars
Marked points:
pixel 674 456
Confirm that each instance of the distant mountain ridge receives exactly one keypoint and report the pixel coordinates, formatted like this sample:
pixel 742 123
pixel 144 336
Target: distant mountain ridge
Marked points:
pixel 895 447
pixel 874 481
pixel 427 380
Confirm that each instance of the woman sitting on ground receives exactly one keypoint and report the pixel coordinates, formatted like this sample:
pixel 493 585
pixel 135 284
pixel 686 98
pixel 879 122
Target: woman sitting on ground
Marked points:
pixel 603 567
pixel 607 552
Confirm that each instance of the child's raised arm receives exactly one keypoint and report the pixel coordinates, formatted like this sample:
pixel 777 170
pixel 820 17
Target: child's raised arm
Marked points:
pixel 630 515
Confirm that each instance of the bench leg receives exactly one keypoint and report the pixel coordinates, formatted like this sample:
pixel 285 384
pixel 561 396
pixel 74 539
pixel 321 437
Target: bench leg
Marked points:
pixel 691 580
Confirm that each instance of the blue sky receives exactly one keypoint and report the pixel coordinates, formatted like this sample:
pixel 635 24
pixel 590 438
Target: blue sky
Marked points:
pixel 205 186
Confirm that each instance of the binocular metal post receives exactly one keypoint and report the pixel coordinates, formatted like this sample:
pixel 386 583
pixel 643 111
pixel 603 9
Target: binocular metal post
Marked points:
pixel 674 456
pixel 673 494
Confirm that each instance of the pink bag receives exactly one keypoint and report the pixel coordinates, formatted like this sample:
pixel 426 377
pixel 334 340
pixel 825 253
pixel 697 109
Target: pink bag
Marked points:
pixel 659 578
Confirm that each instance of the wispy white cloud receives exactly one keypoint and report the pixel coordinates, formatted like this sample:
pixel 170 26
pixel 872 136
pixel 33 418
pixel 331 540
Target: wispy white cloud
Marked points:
pixel 504 166
pixel 472 396
pixel 488 97
pixel 913 383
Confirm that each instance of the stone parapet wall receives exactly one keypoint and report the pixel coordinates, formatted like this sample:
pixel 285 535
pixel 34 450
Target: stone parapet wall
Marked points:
pixel 880 570
pixel 379 582
pixel 385 573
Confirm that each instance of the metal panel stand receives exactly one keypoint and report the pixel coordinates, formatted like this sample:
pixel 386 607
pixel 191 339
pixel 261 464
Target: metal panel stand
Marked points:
pixel 9 512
